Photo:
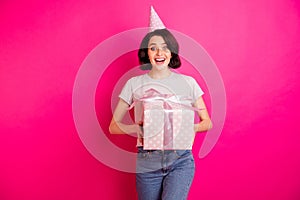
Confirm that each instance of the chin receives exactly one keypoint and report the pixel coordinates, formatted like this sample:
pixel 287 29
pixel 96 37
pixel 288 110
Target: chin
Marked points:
pixel 161 67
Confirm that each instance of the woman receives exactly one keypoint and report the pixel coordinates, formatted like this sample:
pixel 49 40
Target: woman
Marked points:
pixel 162 174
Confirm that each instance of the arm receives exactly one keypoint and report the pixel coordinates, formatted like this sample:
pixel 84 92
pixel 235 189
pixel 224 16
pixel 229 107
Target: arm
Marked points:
pixel 116 126
pixel 205 122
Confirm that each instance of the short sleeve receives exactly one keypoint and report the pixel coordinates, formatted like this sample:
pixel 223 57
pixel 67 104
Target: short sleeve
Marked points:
pixel 197 91
pixel 127 92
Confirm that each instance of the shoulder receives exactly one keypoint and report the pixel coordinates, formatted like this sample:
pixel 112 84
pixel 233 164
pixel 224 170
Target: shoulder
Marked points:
pixel 187 78
pixel 136 79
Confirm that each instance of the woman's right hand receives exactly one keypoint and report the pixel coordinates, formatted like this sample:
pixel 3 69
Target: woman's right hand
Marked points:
pixel 139 130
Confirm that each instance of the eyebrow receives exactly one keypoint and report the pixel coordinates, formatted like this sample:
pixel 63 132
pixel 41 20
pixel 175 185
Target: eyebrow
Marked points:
pixel 156 43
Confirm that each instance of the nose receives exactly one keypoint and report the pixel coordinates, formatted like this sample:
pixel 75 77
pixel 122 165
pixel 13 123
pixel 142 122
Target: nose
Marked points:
pixel 159 50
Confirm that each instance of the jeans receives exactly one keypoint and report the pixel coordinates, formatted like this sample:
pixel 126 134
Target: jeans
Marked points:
pixel 164 175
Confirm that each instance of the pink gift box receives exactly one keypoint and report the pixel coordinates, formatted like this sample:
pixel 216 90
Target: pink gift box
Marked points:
pixel 168 122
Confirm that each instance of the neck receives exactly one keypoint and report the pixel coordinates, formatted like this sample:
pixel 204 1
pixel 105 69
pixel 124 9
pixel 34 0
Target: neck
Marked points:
pixel 159 74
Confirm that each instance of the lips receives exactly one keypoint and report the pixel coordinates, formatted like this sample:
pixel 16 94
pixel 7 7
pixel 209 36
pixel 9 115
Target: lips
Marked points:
pixel 159 60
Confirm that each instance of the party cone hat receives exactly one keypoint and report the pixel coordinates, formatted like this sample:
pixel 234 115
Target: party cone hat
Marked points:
pixel 155 21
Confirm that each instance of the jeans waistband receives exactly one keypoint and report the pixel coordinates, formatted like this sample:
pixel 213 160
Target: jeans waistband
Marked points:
pixel 140 149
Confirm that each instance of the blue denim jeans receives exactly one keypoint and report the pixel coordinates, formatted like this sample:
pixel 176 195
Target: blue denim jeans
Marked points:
pixel 164 175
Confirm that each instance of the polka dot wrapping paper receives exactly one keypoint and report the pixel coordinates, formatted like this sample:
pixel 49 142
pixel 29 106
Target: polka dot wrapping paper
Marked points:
pixel 167 126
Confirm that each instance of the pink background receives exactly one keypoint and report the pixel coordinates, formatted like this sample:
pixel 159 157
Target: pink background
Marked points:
pixel 255 44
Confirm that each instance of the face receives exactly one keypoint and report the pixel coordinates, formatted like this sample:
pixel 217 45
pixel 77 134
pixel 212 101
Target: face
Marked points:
pixel 158 52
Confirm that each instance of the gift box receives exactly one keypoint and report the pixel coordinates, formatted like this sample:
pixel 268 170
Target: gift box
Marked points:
pixel 168 121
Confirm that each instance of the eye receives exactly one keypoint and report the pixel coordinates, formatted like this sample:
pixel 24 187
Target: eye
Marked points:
pixel 165 48
pixel 153 48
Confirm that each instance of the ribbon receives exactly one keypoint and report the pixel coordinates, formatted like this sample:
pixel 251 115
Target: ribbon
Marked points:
pixel 168 127
pixel 152 95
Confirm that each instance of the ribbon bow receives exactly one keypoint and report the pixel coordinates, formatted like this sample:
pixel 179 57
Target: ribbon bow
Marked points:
pixel 152 95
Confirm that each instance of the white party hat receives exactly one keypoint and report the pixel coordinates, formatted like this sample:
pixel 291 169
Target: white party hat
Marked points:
pixel 155 21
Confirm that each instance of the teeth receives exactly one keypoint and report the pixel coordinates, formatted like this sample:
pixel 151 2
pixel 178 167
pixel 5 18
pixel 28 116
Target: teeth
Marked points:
pixel 159 59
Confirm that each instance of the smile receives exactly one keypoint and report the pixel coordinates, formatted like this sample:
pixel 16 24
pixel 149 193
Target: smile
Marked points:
pixel 159 60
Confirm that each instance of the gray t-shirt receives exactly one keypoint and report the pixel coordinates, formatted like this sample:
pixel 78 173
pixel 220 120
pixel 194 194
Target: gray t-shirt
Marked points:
pixel 175 84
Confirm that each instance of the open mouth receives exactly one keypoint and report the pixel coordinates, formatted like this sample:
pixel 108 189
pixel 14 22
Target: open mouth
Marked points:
pixel 159 60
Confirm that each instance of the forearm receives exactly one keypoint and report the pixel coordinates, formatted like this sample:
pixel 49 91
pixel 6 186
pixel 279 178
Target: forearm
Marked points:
pixel 120 128
pixel 204 125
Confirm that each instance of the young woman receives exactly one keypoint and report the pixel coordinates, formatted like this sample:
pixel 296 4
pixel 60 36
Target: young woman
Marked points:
pixel 161 174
